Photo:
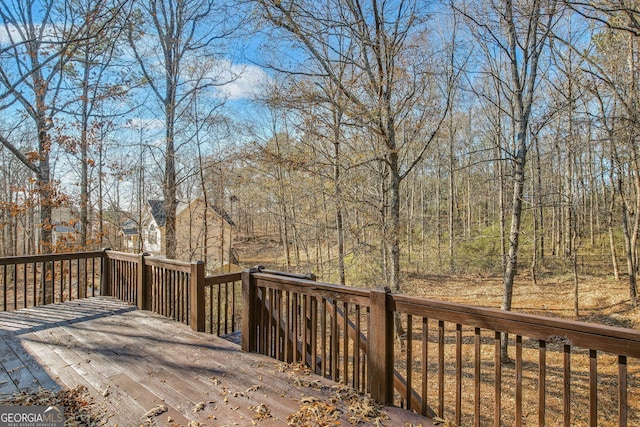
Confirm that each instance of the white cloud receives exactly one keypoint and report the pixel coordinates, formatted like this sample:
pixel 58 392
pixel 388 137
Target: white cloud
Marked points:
pixel 248 82
pixel 7 33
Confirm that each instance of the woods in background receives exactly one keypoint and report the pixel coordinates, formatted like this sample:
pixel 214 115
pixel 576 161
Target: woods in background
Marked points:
pixel 380 139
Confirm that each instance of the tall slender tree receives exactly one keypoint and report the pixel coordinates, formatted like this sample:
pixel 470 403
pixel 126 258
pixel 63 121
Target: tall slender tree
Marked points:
pixel 42 38
pixel 520 31
pixel 385 83
pixel 167 37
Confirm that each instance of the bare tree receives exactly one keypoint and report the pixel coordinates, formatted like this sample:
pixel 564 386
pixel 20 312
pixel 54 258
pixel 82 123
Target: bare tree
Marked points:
pixel 520 31
pixel 175 36
pixel 31 69
pixel 385 84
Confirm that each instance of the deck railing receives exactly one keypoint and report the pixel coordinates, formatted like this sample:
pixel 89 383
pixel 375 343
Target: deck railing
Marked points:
pixel 447 362
pixel 440 359
pixel 175 289
pixel 223 302
pixel 28 281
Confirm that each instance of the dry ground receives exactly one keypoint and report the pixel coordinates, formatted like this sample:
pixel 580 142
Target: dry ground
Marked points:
pixel 602 299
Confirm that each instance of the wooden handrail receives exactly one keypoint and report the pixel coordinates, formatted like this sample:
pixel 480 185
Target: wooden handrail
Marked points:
pixel 385 308
pixel 26 259
pixel 610 339
pixel 222 278
pixel 284 307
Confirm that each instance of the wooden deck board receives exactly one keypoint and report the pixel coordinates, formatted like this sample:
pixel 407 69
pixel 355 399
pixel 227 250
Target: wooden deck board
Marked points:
pixel 132 361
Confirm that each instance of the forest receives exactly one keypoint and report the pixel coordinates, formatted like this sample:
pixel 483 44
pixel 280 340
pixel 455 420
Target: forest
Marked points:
pixel 366 139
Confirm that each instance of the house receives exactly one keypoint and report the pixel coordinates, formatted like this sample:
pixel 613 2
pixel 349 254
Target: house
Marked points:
pixel 130 236
pixel 203 232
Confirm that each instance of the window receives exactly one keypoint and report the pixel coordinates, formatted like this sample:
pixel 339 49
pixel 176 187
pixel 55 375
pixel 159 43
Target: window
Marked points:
pixel 153 235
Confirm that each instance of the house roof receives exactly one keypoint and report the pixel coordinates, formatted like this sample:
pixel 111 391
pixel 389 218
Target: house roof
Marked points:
pixel 130 228
pixel 224 214
pixel 158 212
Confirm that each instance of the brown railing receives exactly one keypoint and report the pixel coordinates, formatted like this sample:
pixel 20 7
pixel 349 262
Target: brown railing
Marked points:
pixel 27 281
pixel 299 320
pixel 447 360
pixel 121 275
pixel 440 359
pixel 176 289
pixel 223 303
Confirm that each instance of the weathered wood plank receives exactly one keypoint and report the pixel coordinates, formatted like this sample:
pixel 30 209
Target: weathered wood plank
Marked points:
pixel 131 361
pixel 41 377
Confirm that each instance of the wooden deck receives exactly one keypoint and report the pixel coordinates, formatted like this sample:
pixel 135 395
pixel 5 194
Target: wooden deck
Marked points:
pixel 132 361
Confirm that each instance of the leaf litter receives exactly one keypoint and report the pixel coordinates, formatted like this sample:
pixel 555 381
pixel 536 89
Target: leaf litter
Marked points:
pixel 79 407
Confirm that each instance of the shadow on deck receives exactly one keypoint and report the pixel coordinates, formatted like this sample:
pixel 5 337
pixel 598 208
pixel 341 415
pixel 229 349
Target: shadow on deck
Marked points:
pixel 132 361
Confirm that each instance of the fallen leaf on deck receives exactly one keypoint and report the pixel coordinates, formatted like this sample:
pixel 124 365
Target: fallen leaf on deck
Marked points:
pixel 77 403
pixel 261 410
pixel 155 411
pixel 198 407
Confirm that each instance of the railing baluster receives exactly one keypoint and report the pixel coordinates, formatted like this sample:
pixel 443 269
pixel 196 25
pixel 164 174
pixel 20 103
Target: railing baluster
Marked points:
pixel 497 394
pixel 622 392
pixel 409 374
pixel 334 342
pixel 593 388
pixel 272 325
pixel 61 275
pixel 261 309
pixel 323 337
pixel 304 308
pixel 26 286
pixel 365 366
pixel 566 394
pixel 314 334
pixel 356 350
pixel 278 341
pixel 15 286
pixel 4 288
pixel 518 381
pixel 296 326
pixel 70 279
pixel 288 353
pixel 34 283
pixel 441 369
pixel 52 280
pixel 219 305
pixel 425 364
pixel 226 308
pixel 458 417
pixel 79 274
pixel 477 380
pixel 93 277
pixel 542 381
pixel 345 344
pixel 233 306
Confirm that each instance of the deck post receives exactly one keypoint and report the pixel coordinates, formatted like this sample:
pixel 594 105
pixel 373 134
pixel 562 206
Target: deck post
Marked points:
pixel 249 310
pixel 196 297
pixel 143 290
pixel 105 273
pixel 381 343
